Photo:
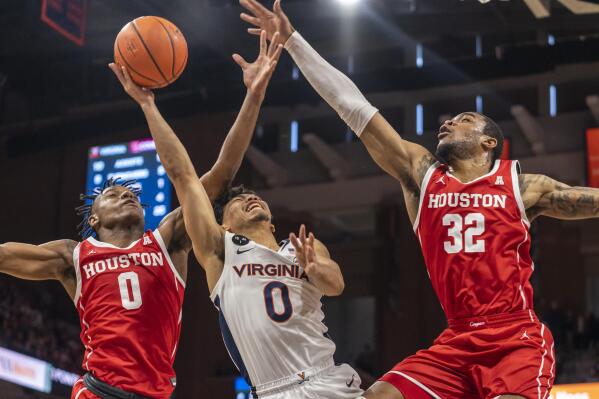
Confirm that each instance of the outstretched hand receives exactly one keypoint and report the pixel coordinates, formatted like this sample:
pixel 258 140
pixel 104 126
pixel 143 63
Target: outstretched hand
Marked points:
pixel 257 74
pixel 141 95
pixel 269 21
pixel 304 249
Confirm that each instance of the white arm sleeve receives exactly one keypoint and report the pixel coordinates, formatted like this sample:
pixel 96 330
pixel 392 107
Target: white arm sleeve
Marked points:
pixel 332 85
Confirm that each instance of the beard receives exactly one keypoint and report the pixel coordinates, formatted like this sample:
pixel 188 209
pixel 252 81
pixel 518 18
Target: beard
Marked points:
pixel 456 150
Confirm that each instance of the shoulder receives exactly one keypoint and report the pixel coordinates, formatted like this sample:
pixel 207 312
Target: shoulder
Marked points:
pixel 172 230
pixel 538 192
pixel 64 248
pixel 422 165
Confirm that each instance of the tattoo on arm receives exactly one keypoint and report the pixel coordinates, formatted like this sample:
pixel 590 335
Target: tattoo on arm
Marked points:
pixel 422 166
pixel 545 196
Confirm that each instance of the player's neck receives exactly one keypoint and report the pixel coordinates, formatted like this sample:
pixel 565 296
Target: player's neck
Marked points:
pixel 262 235
pixel 120 236
pixel 467 170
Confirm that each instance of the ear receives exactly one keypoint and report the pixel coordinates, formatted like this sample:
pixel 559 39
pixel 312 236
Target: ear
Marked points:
pixel 227 228
pixel 272 228
pixel 93 220
pixel 488 143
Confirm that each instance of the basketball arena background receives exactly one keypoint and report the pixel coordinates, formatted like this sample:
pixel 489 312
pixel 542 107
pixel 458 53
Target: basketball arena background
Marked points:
pixel 65 124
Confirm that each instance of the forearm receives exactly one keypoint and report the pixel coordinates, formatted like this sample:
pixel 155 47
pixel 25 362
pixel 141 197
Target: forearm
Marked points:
pixel 332 85
pixel 200 222
pixel 572 203
pixel 327 278
pixel 173 155
pixel 234 147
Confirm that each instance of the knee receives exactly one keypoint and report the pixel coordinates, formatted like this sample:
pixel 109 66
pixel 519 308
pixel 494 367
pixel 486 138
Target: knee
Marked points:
pixel 381 391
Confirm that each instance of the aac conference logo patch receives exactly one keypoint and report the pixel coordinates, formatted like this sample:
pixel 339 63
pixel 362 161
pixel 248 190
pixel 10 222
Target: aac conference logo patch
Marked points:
pixel 240 240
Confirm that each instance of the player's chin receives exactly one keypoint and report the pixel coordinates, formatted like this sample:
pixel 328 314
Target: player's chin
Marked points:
pixel 257 216
pixel 133 212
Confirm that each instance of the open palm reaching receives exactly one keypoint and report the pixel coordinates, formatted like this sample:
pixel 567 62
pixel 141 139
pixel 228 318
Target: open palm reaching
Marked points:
pixel 257 74
pixel 304 249
pixel 269 21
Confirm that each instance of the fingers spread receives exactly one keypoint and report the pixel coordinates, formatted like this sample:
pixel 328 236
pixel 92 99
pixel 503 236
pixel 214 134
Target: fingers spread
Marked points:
pixel 240 61
pixel 277 54
pixel 296 244
pixel 253 6
pixel 263 42
pixel 248 18
pixel 302 234
pixel 277 8
pixel 273 44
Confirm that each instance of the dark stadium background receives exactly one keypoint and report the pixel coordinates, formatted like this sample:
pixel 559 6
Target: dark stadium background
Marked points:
pixel 58 99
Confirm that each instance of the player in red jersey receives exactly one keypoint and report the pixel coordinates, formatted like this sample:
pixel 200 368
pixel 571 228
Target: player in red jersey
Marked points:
pixel 127 285
pixel 471 213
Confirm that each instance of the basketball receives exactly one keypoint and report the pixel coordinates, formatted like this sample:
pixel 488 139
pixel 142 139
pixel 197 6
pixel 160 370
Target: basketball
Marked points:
pixel 153 50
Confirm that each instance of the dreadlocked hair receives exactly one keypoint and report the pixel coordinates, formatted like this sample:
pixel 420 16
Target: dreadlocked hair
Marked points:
pixel 85 210
pixel 221 202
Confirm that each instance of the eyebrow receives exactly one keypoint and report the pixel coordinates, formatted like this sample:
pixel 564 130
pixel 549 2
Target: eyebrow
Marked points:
pixel 468 114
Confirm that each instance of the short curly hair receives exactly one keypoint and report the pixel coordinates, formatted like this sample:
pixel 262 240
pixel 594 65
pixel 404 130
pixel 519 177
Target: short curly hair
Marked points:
pixel 226 196
pixel 491 129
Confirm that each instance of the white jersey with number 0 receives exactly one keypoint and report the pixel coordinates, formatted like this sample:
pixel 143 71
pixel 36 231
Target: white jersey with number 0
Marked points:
pixel 270 314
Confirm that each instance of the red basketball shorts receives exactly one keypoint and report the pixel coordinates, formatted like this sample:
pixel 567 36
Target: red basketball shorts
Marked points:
pixel 81 392
pixel 481 358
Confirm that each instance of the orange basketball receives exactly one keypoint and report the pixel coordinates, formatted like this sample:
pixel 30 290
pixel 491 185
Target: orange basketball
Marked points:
pixel 153 50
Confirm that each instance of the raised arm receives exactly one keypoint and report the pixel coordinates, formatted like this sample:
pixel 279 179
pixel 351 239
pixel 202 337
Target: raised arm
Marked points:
pixel 313 256
pixel 256 76
pixel 50 261
pixel 196 209
pixel 543 195
pixel 403 160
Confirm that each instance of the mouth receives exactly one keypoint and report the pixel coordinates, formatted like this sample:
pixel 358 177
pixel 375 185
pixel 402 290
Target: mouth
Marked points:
pixel 443 132
pixel 130 202
pixel 253 205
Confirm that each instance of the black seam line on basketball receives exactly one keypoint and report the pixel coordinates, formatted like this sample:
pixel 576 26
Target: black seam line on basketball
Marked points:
pixel 149 53
pixel 129 67
pixel 170 39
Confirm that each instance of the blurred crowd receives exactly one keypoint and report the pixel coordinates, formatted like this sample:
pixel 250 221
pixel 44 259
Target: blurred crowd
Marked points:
pixel 576 343
pixel 26 328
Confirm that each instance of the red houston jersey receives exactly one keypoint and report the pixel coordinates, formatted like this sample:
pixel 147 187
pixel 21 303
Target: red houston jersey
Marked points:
pixel 129 301
pixel 476 242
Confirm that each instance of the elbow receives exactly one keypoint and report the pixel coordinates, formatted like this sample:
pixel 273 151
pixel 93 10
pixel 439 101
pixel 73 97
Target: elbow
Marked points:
pixel 181 176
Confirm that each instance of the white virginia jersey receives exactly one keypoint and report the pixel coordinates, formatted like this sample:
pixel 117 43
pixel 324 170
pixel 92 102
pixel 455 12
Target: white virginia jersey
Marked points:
pixel 270 314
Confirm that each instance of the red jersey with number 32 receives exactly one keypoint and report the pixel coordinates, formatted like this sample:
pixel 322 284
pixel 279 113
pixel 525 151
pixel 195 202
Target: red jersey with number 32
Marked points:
pixel 476 242
pixel 129 301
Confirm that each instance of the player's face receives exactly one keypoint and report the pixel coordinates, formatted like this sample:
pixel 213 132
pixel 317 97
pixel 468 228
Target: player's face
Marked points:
pixel 244 210
pixel 460 137
pixel 116 205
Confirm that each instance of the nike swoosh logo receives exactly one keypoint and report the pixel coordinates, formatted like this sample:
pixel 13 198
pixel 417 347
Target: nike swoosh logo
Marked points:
pixel 349 384
pixel 239 251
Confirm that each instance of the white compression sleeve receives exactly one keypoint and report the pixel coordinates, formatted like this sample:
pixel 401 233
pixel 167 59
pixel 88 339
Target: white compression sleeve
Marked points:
pixel 332 85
